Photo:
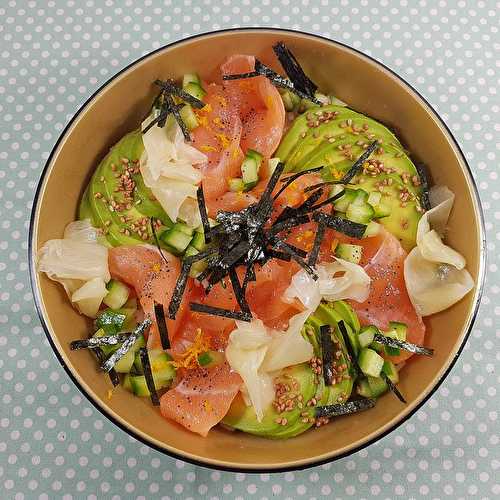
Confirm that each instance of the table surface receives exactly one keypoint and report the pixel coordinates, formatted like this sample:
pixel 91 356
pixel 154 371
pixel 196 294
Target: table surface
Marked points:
pixel 54 54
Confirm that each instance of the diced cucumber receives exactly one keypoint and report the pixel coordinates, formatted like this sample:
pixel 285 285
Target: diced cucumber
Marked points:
pixel 106 349
pixel 140 387
pixel 110 321
pixel 198 241
pixel 210 358
pixel 400 329
pixel 366 335
pixel 189 117
pixel 360 213
pixel 363 388
pixel 124 364
pixel 198 266
pixel 391 371
pixel 392 351
pixel 190 78
pixel 381 210
pixel 195 89
pixel 183 228
pixel 370 362
pixel 349 252
pixel 117 294
pixel 250 169
pixel 361 198
pixel 236 185
pixel 176 238
pixel 336 189
pixel 290 100
pixel 374 198
pixel 378 386
pixel 344 201
pixel 372 229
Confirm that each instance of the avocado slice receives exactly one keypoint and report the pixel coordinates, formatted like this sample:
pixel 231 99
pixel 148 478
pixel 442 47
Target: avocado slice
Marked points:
pixel 120 224
pixel 298 420
pixel 338 141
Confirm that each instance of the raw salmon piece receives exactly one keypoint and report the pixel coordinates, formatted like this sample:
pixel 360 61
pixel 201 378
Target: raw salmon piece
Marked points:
pixel 388 300
pixel 201 397
pixel 218 136
pixel 153 279
pixel 259 104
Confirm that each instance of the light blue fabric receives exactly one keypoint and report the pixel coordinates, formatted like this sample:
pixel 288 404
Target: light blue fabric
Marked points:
pixel 53 55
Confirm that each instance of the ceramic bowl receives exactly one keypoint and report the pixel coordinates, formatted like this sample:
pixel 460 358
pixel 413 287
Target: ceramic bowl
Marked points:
pixel 118 106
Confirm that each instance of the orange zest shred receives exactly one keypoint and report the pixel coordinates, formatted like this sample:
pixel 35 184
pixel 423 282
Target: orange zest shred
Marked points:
pixel 223 139
pixel 189 358
pixel 206 148
pixel 207 405
pixel 203 121
pixel 335 242
pixel 156 268
pixel 218 122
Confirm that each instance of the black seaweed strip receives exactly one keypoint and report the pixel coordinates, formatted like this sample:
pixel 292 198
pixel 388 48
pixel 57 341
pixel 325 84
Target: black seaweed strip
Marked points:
pixel 353 229
pixel 424 179
pixel 358 164
pixel 157 242
pixel 98 341
pixel 101 358
pixel 289 223
pixel 292 178
pixel 266 195
pixel 191 259
pixel 328 200
pixel 235 254
pixel 275 254
pixel 238 291
pixel 339 409
pixel 218 311
pixel 125 347
pixel 393 388
pixel 240 76
pixel 175 111
pixel 322 184
pixel 350 350
pixel 170 87
pixel 318 239
pixel 285 247
pixel 401 344
pixel 202 207
pixel 297 250
pixel 178 292
pixel 148 375
pixel 327 348
pixel 162 326
pixel 293 69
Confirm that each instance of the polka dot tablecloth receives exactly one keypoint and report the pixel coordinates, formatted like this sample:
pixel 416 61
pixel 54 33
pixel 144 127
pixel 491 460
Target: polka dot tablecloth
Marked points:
pixel 54 54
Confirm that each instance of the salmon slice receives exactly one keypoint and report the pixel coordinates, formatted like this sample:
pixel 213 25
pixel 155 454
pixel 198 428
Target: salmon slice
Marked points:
pixel 259 105
pixel 388 300
pixel 153 279
pixel 201 398
pixel 218 136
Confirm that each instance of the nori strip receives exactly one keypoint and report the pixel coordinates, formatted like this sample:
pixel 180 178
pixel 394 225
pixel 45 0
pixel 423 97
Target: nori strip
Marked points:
pixel 218 311
pixel 170 87
pixel 424 180
pixel 285 247
pixel 94 342
pixel 277 80
pixel 275 254
pixel 329 200
pixel 321 185
pixel 339 409
pixel 293 70
pixel 393 388
pixel 175 112
pixel 353 229
pixel 327 349
pixel 202 207
pixel 301 253
pixel 101 358
pixel 292 178
pixel 191 259
pixel 347 342
pixel 148 375
pixel 178 292
pixel 125 347
pixel 235 254
pixel 358 164
pixel 318 239
pixel 162 326
pixel 238 291
pixel 401 344
pixel 289 223
pixel 157 242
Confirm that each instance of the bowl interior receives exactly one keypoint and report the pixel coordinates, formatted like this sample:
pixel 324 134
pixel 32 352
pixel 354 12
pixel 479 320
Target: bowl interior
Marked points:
pixel 367 87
